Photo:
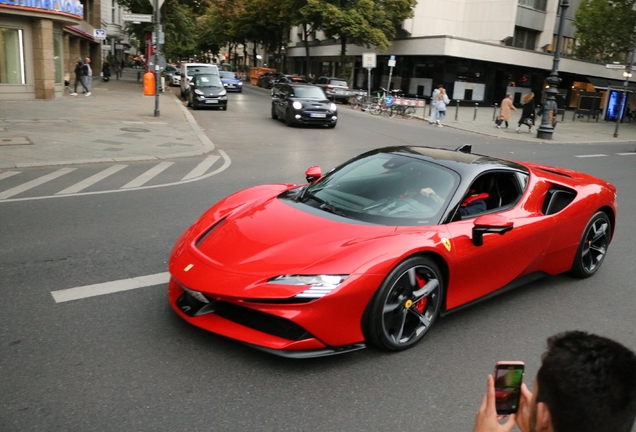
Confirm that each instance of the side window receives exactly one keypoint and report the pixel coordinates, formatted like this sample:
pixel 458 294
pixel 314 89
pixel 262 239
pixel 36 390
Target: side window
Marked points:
pixel 491 192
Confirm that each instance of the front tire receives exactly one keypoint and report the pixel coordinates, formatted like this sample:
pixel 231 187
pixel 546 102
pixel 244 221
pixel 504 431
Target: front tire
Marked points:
pixel 405 306
pixel 289 121
pixel 593 246
pixel 409 112
pixel 274 116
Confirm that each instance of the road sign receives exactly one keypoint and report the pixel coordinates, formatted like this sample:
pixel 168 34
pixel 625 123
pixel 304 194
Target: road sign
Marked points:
pixel 137 17
pixel 152 2
pixel 392 63
pixel 368 60
pixel 99 34
pixel 614 66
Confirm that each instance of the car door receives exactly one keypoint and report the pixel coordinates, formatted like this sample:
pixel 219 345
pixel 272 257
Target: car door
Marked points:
pixel 477 271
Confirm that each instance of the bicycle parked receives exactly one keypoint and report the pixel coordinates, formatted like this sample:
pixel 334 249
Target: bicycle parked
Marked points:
pixel 385 103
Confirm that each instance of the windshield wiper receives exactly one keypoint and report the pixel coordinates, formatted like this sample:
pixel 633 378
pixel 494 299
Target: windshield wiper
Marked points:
pixel 325 205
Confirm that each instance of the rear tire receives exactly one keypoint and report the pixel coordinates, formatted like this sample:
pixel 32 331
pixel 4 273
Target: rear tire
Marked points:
pixel 409 112
pixel 593 246
pixel 375 109
pixel 274 116
pixel 405 306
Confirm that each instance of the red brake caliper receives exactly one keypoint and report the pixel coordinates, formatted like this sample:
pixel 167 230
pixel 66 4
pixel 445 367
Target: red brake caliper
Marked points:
pixel 420 305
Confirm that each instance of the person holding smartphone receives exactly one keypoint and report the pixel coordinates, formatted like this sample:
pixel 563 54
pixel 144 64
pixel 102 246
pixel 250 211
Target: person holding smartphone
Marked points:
pixel 586 383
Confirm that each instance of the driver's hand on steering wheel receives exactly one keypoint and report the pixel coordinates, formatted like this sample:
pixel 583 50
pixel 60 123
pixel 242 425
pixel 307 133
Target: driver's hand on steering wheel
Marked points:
pixel 430 193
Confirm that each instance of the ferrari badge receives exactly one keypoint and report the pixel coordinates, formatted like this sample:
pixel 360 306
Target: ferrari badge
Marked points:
pixel 447 244
pixel 188 267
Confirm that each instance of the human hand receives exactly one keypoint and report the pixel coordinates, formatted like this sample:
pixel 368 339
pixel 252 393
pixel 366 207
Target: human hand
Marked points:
pixel 487 419
pixel 523 413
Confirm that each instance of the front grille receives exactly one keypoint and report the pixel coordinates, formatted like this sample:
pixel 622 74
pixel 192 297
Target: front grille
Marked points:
pixel 247 317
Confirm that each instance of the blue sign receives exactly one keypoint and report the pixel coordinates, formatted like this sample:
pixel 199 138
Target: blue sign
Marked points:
pixel 99 34
pixel 614 106
pixel 389 100
pixel 73 7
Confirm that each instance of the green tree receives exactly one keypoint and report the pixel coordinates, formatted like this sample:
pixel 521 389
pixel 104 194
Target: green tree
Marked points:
pixel 605 31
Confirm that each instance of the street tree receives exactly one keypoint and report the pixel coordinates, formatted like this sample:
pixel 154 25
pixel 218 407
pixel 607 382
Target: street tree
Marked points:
pixel 605 30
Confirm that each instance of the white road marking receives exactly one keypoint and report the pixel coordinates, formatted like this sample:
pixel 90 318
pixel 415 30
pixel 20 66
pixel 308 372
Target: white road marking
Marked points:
pixel 626 154
pixel 147 176
pixel 7 174
pixel 33 183
pixel 590 156
pixel 78 187
pixel 200 169
pixel 78 293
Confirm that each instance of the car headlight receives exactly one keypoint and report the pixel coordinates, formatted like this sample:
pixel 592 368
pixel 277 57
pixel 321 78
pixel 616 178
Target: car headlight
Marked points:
pixel 199 92
pixel 240 83
pixel 224 84
pixel 333 107
pixel 297 105
pixel 319 285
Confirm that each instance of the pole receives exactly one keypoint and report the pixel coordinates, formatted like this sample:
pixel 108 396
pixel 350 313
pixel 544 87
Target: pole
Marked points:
pixel 157 27
pixel 550 107
pixel 369 83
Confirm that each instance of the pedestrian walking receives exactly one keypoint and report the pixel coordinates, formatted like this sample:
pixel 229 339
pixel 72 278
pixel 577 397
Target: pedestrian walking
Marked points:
pixel 527 112
pixel 80 72
pixel 88 79
pixel 505 110
pixel 434 98
pixel 440 105
pixel 105 71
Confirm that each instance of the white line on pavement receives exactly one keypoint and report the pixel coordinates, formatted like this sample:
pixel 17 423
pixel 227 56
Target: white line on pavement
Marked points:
pixel 78 293
pixel 7 174
pixel 147 176
pixel 626 154
pixel 92 180
pixel 200 169
pixel 33 183
pixel 590 156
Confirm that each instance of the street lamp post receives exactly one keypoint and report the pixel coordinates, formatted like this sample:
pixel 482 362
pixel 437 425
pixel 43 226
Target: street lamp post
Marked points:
pixel 627 74
pixel 550 107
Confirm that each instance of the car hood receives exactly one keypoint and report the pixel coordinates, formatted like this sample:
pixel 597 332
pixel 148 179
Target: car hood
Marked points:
pixel 210 91
pixel 273 236
pixel 313 103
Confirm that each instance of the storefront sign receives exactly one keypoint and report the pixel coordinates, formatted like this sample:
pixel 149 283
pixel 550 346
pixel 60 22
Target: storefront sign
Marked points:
pixel 73 7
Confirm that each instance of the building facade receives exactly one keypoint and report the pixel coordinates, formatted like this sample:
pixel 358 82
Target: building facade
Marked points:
pixel 40 41
pixel 480 50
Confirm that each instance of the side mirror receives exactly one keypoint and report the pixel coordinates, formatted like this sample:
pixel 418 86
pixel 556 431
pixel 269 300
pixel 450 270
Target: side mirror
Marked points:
pixel 313 174
pixel 490 224
pixel 191 84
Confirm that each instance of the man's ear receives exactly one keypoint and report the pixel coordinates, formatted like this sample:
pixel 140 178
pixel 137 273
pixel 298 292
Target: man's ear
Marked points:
pixel 544 419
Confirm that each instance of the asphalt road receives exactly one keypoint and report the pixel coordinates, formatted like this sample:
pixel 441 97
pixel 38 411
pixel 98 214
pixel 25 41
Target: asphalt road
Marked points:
pixel 125 361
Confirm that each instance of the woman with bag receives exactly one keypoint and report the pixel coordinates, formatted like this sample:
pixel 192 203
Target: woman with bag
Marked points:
pixel 527 112
pixel 440 106
pixel 504 112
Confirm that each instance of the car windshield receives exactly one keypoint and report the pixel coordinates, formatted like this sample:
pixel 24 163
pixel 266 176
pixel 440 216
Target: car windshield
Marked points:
pixel 387 189
pixel 228 75
pixel 309 92
pixel 202 69
pixel 208 81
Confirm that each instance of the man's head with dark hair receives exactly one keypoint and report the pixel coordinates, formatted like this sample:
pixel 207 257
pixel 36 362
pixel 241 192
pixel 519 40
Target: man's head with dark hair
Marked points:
pixel 588 384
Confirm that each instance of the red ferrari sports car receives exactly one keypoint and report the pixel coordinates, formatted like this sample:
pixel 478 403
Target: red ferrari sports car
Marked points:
pixel 374 251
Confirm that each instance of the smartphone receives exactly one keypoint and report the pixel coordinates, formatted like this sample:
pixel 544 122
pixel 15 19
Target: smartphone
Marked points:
pixel 508 379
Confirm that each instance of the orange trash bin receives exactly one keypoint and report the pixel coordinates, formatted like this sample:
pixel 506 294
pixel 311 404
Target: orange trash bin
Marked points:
pixel 149 84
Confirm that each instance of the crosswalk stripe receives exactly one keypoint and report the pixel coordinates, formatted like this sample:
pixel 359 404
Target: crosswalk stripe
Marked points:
pixel 147 176
pixel 110 287
pixel 33 183
pixel 7 174
pixel 200 169
pixel 78 187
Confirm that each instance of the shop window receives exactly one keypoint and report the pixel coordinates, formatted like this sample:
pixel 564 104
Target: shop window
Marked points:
pixel 58 56
pixel 11 56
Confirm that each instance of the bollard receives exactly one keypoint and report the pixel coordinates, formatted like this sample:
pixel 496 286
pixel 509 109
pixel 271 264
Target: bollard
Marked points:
pixel 475 115
pixel 138 75
pixel 457 109
pixel 149 84
pixel 494 113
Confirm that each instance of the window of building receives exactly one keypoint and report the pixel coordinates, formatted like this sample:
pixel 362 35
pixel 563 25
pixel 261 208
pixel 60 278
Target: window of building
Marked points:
pixel 58 56
pixel 11 56
pixel 535 4
pixel 567 45
pixel 524 38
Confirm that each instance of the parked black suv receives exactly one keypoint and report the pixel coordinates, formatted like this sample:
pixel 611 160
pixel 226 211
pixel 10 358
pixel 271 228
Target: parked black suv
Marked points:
pixel 336 89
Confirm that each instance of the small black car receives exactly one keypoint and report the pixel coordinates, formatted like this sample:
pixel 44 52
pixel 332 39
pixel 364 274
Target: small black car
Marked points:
pixel 207 91
pixel 303 104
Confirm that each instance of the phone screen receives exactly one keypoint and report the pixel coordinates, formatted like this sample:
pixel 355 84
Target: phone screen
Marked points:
pixel 508 379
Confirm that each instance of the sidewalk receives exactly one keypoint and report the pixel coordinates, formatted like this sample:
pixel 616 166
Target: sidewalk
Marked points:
pixel 115 124
pixel 568 131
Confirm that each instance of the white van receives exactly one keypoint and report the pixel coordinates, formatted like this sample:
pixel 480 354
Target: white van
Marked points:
pixel 189 69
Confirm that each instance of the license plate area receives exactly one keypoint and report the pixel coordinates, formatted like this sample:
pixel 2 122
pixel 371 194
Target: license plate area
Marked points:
pixel 212 101
pixel 316 115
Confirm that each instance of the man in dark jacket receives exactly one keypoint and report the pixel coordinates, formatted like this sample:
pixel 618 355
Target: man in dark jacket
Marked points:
pixel 80 71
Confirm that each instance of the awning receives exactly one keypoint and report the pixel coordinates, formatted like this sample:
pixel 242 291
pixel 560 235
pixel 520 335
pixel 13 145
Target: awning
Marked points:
pixel 605 83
